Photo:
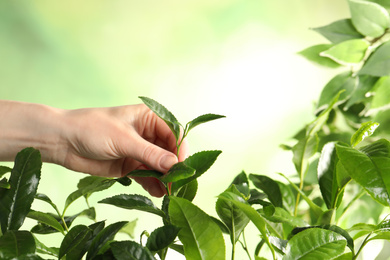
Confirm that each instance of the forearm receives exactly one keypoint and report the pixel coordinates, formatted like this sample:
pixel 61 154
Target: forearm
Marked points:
pixel 30 125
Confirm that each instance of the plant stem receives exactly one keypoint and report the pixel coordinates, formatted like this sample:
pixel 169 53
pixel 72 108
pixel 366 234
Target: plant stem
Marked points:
pixel 245 246
pixel 233 250
pixel 366 240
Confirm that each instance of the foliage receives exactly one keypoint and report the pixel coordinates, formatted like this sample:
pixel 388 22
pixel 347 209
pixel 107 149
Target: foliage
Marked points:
pixel 341 160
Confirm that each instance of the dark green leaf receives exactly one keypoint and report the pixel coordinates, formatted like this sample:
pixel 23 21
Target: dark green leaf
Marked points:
pixel 270 187
pixel 231 215
pixel 28 257
pixel 130 250
pixel 315 243
pixel 16 243
pixel 347 52
pixel 87 186
pixel 370 19
pixel 242 184
pixel 164 114
pixel 133 201
pixel 313 54
pixel 46 219
pixel 145 173
pixel 75 243
pixel 103 237
pixel 202 119
pixel 162 237
pixel 4 170
pixel 378 64
pixel 46 199
pixel 365 130
pixel 43 249
pixel 201 162
pixel 15 203
pixel 369 168
pixel 178 171
pixel 125 181
pixel 365 85
pixel 201 237
pixel 342 82
pixel 4 184
pixel 339 31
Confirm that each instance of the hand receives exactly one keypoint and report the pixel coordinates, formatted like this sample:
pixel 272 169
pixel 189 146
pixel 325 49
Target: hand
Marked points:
pixel 107 142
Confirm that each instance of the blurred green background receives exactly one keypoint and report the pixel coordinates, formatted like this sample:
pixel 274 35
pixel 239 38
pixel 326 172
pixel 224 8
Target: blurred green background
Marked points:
pixel 232 57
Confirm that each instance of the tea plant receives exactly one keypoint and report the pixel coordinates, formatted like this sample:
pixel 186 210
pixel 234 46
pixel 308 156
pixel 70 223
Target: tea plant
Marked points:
pixel 341 162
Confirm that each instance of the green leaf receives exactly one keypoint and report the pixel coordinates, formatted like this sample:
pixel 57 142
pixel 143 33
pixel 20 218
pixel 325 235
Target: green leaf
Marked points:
pixel 381 98
pixel 46 219
pixel 28 257
pixel 16 243
pixel 365 85
pixel 188 191
pixel 4 184
pixel 365 130
pixel 129 228
pixel 315 243
pixel 252 214
pixel 4 170
pixel 125 181
pixel 15 203
pixel 103 237
pixel 200 235
pixel 162 237
pixel 302 152
pixel 369 167
pixel 87 186
pixel 231 215
pixel 342 82
pixel 281 215
pixel 270 187
pixel 145 173
pixel 313 54
pixel 201 162
pixel 378 64
pixel 75 243
pixel 347 52
pixel 202 119
pixel 339 31
pixel 45 198
pixel 178 171
pixel 42 249
pixel 242 184
pixel 133 201
pixel 164 114
pixel 370 19
pixel 130 250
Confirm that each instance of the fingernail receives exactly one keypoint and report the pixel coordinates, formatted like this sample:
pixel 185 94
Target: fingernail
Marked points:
pixel 167 161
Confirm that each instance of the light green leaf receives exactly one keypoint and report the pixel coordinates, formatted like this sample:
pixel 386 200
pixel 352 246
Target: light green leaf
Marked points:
pixel 369 167
pixel 130 250
pixel 201 237
pixel 315 243
pixel 15 202
pixel 107 234
pixel 313 54
pixel 339 31
pixel 381 98
pixel 348 52
pixel 202 119
pixel 75 243
pixel 366 129
pixel 378 64
pixel 46 219
pixel 133 201
pixel 188 191
pixel 370 19
pixel 16 243
pixel 164 114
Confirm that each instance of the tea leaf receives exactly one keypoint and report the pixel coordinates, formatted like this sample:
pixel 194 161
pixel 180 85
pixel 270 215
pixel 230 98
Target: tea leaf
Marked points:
pixel 75 243
pixel 46 219
pixel 370 19
pixel 201 237
pixel 313 54
pixel 188 191
pixel 133 201
pixel 4 170
pixel 164 114
pixel 270 187
pixel 242 184
pixel 365 130
pixel 339 31
pixel 381 98
pixel 369 167
pixel 162 237
pixel 378 64
pixel 46 199
pixel 202 119
pixel 178 172
pixel 365 84
pixel 315 243
pixel 42 249
pixel 15 202
pixel 130 250
pixel 145 173
pixel 16 243
pixel 348 52
pixel 103 237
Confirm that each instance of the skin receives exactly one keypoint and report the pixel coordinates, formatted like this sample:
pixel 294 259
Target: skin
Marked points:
pixel 108 142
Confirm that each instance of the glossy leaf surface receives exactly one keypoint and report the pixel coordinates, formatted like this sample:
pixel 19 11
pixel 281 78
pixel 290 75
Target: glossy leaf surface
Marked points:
pixel 315 243
pixel 162 237
pixel 133 201
pixel 75 243
pixel 47 219
pixel 16 243
pixel 269 187
pixel 200 235
pixel 365 130
pixel 15 202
